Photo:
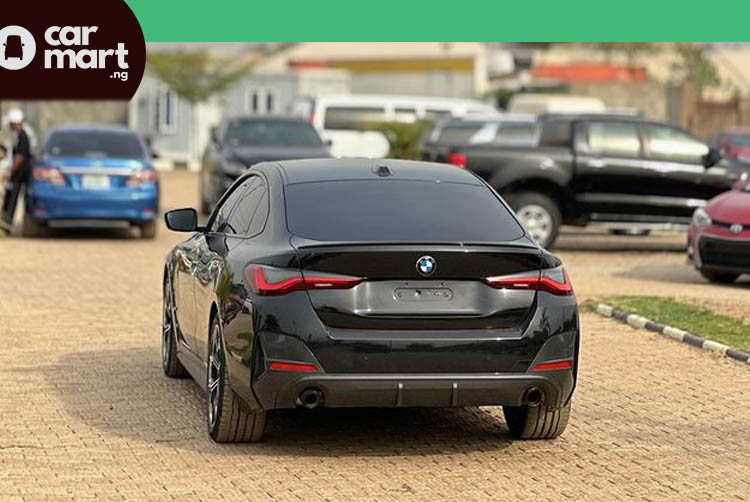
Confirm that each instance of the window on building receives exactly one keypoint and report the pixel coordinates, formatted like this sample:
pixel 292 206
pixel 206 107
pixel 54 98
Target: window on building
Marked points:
pixel 262 101
pixel 166 110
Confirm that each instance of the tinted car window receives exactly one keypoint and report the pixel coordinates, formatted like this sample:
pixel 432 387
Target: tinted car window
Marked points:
pixel 739 139
pixel 459 132
pixel 221 223
pixel 398 211
pixel 260 215
pixel 338 117
pixel 242 214
pixel 94 144
pixel 666 143
pixel 556 133
pixel 272 133
pixel 614 139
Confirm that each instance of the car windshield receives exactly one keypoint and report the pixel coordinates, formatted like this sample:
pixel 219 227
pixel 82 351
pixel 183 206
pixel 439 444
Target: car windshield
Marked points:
pixel 95 144
pixel 740 139
pixel 398 211
pixel 272 133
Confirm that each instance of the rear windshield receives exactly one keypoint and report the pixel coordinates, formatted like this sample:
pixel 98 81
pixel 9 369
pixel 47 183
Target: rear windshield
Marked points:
pixel 510 132
pixel 95 145
pixel 387 210
pixel 740 140
pixel 271 133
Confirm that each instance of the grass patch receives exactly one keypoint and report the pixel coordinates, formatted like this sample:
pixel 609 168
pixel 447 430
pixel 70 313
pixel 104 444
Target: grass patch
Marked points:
pixel 696 320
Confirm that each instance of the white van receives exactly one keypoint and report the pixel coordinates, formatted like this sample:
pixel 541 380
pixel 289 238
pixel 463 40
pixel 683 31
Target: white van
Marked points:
pixel 555 103
pixel 341 120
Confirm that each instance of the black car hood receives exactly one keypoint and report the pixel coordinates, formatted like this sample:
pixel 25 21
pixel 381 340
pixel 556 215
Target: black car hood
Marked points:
pixel 252 155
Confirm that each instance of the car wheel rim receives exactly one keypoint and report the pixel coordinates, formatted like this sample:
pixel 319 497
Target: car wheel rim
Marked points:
pixel 215 361
pixel 537 221
pixel 166 327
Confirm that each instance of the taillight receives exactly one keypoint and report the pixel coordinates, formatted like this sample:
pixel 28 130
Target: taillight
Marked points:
pixel 551 280
pixel 50 175
pixel 557 365
pixel 282 366
pixel 273 281
pixel 457 159
pixel 142 176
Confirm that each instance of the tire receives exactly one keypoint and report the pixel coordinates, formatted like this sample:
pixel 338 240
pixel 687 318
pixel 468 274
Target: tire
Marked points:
pixel 172 366
pixel 537 422
pixel 229 420
pixel 148 229
pixel 719 277
pixel 539 214
pixel 33 227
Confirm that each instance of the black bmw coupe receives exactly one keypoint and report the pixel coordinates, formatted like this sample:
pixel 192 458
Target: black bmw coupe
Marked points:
pixel 367 283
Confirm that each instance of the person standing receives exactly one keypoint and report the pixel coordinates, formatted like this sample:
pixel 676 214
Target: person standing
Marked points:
pixel 20 170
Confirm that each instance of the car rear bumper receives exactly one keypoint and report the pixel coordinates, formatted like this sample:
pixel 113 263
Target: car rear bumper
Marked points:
pixel 283 389
pixel 121 204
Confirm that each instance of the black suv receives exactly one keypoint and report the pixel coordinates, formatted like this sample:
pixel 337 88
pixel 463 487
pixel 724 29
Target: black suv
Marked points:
pixel 621 171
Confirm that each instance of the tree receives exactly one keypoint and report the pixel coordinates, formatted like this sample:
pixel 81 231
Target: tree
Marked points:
pixel 404 137
pixel 694 67
pixel 196 76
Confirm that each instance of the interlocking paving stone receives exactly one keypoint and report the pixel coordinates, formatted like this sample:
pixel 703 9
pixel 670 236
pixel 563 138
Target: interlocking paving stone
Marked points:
pixel 86 413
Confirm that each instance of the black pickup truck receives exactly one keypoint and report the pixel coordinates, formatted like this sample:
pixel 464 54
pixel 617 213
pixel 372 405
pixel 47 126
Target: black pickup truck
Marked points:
pixel 624 172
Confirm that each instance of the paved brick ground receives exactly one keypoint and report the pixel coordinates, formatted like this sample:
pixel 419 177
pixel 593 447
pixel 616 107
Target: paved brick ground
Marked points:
pixel 87 414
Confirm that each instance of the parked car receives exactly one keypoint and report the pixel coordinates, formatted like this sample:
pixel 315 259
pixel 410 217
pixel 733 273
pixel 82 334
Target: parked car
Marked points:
pixel 719 236
pixel 733 143
pixel 238 143
pixel 93 174
pixel 305 290
pixel 344 119
pixel 623 172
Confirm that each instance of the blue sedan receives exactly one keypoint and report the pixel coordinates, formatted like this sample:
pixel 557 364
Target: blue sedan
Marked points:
pixel 93 174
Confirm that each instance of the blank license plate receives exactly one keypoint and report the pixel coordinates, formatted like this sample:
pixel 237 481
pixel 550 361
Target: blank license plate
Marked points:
pixel 422 294
pixel 93 182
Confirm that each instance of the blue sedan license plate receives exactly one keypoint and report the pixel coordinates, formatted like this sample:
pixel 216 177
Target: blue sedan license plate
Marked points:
pixel 95 182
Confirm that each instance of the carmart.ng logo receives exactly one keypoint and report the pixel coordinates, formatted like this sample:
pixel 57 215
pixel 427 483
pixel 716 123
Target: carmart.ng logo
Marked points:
pixel 87 49
pixel 17 47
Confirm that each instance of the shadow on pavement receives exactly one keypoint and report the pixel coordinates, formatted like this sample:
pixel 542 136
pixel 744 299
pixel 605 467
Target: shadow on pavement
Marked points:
pixel 599 241
pixel 680 274
pixel 125 393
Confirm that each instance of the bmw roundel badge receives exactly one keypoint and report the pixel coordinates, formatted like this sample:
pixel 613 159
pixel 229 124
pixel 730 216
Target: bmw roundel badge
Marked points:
pixel 426 265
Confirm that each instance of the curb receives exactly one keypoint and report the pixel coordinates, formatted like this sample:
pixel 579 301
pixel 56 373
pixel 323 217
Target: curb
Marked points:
pixel 639 322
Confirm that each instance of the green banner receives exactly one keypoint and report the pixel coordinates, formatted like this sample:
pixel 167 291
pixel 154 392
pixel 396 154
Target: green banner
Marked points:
pixel 442 20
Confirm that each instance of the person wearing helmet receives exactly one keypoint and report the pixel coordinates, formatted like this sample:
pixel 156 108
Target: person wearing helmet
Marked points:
pixel 20 170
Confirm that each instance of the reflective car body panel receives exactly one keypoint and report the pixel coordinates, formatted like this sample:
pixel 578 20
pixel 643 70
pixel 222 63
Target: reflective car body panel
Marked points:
pixel 722 244
pixel 449 339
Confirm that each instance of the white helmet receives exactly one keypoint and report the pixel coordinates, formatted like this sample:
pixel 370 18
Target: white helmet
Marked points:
pixel 15 116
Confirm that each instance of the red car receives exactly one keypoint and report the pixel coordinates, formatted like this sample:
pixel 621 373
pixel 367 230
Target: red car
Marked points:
pixel 719 236
pixel 733 143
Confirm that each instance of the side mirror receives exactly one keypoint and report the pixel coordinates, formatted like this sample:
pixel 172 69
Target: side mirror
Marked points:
pixel 182 220
pixel 328 142
pixel 154 155
pixel 215 135
pixel 711 158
